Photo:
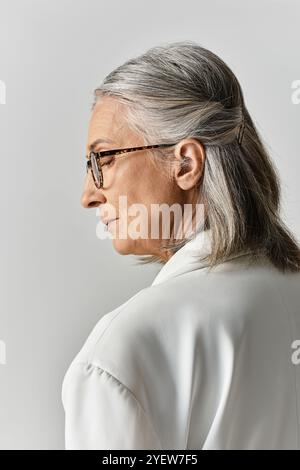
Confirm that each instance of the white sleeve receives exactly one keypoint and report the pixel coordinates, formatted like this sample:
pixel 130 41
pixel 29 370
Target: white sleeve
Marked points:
pixel 101 413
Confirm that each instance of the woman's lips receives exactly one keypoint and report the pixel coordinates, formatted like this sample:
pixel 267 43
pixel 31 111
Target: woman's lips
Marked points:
pixel 110 221
pixel 106 222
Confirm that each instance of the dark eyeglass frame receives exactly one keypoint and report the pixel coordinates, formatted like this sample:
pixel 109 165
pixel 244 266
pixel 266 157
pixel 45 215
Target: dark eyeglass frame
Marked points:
pixel 94 159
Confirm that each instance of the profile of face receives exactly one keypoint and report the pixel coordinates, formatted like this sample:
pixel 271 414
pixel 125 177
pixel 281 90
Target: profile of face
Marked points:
pixel 135 177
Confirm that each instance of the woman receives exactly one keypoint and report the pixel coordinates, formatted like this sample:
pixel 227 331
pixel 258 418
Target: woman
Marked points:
pixel 203 358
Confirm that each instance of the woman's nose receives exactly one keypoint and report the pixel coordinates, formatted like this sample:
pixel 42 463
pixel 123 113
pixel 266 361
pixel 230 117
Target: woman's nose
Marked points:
pixel 91 196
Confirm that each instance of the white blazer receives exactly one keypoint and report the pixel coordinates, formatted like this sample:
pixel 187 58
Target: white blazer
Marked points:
pixel 197 360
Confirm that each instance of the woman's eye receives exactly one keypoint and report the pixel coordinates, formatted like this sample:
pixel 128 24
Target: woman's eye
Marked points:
pixel 107 161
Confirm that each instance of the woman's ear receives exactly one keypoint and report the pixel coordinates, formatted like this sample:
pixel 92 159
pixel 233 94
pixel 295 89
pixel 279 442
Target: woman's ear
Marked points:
pixel 190 155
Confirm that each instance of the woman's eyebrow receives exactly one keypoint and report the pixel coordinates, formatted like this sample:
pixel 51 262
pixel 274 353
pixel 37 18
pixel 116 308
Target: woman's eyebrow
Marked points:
pixel 99 141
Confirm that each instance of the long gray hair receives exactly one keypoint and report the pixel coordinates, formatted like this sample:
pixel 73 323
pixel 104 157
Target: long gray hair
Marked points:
pixel 179 90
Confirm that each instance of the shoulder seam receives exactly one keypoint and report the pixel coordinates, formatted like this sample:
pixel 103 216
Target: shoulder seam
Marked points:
pixel 89 365
pixel 119 310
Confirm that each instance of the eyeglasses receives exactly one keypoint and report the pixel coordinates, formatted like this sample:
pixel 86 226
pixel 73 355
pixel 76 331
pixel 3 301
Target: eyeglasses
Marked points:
pixel 96 167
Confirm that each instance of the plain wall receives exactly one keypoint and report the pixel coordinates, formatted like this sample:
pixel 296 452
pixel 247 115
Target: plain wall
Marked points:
pixel 57 278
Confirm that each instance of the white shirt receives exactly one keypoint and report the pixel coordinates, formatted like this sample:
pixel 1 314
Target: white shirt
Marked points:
pixel 197 360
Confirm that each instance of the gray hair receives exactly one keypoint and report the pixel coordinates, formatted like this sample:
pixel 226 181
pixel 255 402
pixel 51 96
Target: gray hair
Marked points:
pixel 180 90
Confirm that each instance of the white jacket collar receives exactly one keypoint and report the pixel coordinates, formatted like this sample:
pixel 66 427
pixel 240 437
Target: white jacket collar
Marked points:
pixel 187 258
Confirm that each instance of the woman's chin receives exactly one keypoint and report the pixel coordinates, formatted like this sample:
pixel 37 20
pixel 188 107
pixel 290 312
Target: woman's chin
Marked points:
pixel 129 246
pixel 125 246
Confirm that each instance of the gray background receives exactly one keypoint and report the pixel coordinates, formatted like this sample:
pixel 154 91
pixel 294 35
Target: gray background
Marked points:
pixel 57 278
